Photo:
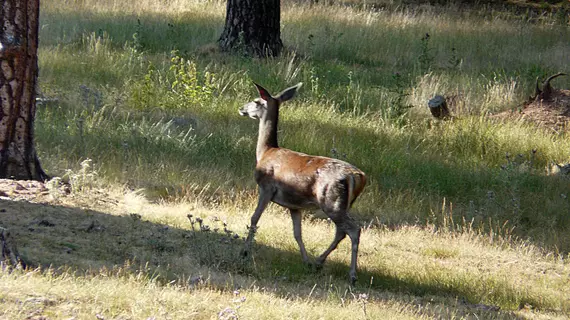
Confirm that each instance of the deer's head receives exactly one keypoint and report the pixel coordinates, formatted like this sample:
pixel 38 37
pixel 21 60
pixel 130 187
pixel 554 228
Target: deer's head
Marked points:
pixel 257 108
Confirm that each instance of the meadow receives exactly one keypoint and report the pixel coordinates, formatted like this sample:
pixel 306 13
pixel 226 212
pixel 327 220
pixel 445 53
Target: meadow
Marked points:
pixel 139 113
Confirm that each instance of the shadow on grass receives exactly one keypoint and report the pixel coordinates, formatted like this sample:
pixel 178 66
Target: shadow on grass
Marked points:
pixel 85 242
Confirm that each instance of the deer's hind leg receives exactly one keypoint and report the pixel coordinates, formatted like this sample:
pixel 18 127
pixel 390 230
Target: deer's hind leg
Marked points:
pixel 335 203
pixel 353 231
pixel 338 237
pixel 345 225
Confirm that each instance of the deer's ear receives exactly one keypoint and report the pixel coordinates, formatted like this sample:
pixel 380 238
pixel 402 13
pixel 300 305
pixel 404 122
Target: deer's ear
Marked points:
pixel 264 94
pixel 289 93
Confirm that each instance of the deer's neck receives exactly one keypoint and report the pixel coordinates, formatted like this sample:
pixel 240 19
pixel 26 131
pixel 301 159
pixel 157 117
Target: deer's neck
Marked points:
pixel 267 137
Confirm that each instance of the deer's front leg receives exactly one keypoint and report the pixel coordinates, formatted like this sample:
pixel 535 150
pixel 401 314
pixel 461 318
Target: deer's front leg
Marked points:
pixel 297 232
pixel 265 196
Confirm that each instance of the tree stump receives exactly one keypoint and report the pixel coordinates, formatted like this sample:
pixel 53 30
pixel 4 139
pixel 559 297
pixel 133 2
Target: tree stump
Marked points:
pixel 438 107
pixel 9 251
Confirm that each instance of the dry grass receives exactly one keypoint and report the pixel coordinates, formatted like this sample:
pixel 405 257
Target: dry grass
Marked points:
pixel 114 254
pixel 132 297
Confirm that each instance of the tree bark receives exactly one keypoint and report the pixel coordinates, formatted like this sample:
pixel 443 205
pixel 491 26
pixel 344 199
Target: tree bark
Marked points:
pixel 8 251
pixel 18 78
pixel 252 27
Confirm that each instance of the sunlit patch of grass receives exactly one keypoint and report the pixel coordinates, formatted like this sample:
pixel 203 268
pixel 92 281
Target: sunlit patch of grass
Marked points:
pixel 440 253
pixel 116 294
pixel 470 266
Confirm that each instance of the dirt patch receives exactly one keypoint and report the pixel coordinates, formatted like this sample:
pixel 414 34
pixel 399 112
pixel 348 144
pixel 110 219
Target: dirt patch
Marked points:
pixel 549 108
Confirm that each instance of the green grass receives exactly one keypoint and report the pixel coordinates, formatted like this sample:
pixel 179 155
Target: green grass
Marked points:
pixel 462 214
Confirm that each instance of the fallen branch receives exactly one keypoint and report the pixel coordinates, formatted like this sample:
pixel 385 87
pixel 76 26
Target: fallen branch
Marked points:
pixel 546 91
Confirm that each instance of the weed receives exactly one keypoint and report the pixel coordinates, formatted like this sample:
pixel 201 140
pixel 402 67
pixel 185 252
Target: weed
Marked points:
pixel 398 107
pixel 181 87
pixel 138 43
pixel 454 61
pixel 426 57
pixel 188 83
pixel 353 96
pixel 232 313
pixel 316 93
pixel 84 179
pixel 222 252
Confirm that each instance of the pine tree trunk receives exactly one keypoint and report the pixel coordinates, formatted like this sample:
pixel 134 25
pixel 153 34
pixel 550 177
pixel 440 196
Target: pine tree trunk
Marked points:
pixel 18 78
pixel 252 27
pixel 8 251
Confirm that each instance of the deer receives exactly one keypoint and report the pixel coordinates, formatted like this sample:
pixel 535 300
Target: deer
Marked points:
pixel 297 181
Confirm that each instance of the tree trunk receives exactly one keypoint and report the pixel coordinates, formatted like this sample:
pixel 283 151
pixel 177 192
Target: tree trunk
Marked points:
pixel 8 251
pixel 18 78
pixel 252 27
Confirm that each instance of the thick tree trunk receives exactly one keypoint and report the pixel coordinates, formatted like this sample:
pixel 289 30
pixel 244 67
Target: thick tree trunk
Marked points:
pixel 252 27
pixel 18 77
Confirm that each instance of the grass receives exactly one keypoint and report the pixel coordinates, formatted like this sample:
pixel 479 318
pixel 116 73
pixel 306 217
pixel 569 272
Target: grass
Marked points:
pixel 119 255
pixel 132 297
pixel 461 217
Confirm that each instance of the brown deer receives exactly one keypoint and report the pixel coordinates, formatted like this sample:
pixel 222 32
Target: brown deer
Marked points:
pixel 298 181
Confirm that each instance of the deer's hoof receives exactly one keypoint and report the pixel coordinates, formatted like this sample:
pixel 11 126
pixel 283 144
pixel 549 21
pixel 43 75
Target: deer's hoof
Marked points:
pixel 309 265
pixel 353 279
pixel 244 253
pixel 317 266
